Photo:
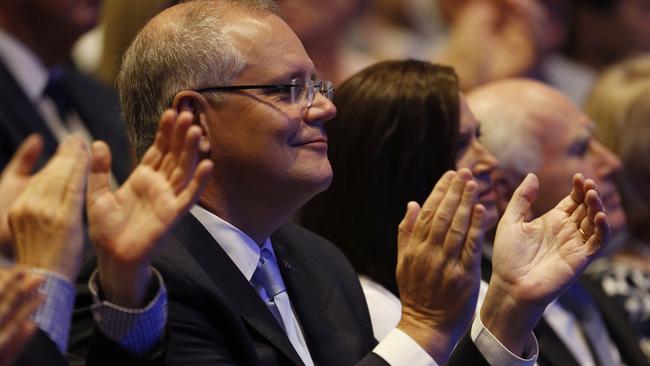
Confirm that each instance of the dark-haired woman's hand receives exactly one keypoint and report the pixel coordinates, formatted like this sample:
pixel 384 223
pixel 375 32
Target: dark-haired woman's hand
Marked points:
pixel 438 265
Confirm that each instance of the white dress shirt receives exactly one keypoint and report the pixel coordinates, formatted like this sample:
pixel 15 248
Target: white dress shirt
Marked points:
pixel 398 349
pixel 386 310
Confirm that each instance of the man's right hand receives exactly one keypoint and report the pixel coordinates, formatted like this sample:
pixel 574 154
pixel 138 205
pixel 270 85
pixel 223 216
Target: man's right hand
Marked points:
pixel 438 264
pixel 128 225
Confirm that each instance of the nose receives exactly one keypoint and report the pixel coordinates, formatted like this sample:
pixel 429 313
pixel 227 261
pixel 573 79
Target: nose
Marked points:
pixel 485 162
pixel 607 164
pixel 321 109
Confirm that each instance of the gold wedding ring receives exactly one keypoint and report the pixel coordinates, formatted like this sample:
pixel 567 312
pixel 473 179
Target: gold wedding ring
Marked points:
pixel 584 235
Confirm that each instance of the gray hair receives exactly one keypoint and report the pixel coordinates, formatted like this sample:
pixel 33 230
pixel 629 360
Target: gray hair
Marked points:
pixel 514 144
pixel 188 51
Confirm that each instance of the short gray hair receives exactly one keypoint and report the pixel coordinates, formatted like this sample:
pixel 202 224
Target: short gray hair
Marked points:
pixel 187 52
pixel 513 143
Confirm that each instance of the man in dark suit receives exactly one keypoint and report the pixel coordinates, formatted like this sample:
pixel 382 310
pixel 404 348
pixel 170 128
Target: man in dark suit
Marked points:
pixel 41 91
pixel 245 287
pixel 550 136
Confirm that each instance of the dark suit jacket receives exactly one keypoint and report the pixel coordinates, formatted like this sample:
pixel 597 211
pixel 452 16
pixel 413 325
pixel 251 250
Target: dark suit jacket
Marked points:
pixel 96 105
pixel 216 317
pixel 553 352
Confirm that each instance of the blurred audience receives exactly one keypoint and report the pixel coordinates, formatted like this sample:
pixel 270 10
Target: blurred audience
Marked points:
pixel 399 126
pixel 619 104
pixel 41 91
pixel 530 126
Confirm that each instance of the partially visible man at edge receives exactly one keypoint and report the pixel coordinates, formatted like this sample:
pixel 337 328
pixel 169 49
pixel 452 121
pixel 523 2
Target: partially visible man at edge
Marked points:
pixel 244 74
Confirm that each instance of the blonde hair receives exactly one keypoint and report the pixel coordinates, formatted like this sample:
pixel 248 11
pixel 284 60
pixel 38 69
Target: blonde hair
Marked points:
pixel 611 96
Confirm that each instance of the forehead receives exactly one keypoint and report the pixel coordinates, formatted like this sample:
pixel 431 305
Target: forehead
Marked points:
pixel 273 51
pixel 559 123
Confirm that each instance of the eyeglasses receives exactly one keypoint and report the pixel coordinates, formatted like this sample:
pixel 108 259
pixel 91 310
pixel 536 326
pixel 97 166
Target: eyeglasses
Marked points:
pixel 296 91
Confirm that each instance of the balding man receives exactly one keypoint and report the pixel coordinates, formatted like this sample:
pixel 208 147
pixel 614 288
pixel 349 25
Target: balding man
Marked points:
pixel 245 287
pixel 531 127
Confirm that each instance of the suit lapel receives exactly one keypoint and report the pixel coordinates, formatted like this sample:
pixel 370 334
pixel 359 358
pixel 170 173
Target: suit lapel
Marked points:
pixel 230 281
pixel 23 115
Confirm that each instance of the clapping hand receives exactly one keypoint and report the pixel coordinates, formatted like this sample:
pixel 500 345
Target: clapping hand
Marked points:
pixel 534 262
pixel 438 265
pixel 128 225
pixel 13 181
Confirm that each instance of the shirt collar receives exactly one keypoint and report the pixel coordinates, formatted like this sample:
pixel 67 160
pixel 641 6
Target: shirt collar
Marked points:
pixel 26 68
pixel 241 249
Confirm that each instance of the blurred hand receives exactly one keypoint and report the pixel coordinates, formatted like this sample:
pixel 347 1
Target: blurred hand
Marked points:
pixel 13 181
pixel 534 262
pixel 18 301
pixel 46 219
pixel 438 265
pixel 128 225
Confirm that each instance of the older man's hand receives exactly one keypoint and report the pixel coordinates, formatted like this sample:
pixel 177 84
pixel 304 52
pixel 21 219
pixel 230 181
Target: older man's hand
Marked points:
pixel 534 262
pixel 438 265
pixel 46 219
pixel 18 301
pixel 128 225
pixel 13 181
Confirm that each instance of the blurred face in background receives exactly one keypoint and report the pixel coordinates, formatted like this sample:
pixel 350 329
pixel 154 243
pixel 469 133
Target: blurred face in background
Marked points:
pixel 312 20
pixel 472 155
pixel 634 18
pixel 70 18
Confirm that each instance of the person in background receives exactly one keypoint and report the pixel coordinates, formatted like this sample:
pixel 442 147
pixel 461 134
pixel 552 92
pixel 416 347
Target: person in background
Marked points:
pixel 532 127
pixel 618 104
pixel 41 91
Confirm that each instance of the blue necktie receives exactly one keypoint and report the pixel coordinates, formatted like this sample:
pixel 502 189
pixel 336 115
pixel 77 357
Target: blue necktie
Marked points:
pixel 268 282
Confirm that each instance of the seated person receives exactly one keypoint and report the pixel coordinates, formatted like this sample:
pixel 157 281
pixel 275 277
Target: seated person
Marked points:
pixel 530 126
pixel 245 287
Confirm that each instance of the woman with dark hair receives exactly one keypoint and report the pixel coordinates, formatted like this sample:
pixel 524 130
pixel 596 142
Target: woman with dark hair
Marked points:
pixel 400 126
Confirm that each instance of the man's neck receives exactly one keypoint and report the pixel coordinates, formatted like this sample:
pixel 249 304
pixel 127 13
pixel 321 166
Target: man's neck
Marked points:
pixel 256 217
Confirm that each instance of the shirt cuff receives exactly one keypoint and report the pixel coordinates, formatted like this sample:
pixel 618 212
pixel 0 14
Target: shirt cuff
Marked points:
pixel 398 349
pixel 136 330
pixel 54 314
pixel 495 353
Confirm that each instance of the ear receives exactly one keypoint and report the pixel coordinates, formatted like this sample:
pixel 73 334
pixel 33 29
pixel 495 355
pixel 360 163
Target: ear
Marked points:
pixel 197 104
pixel 505 182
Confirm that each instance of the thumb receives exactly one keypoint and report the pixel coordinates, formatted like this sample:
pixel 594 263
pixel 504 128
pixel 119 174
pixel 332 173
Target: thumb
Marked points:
pixel 522 199
pixel 405 228
pixel 100 168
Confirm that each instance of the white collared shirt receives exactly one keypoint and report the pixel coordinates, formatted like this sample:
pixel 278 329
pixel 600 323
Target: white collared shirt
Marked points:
pixel 398 349
pixel 245 253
